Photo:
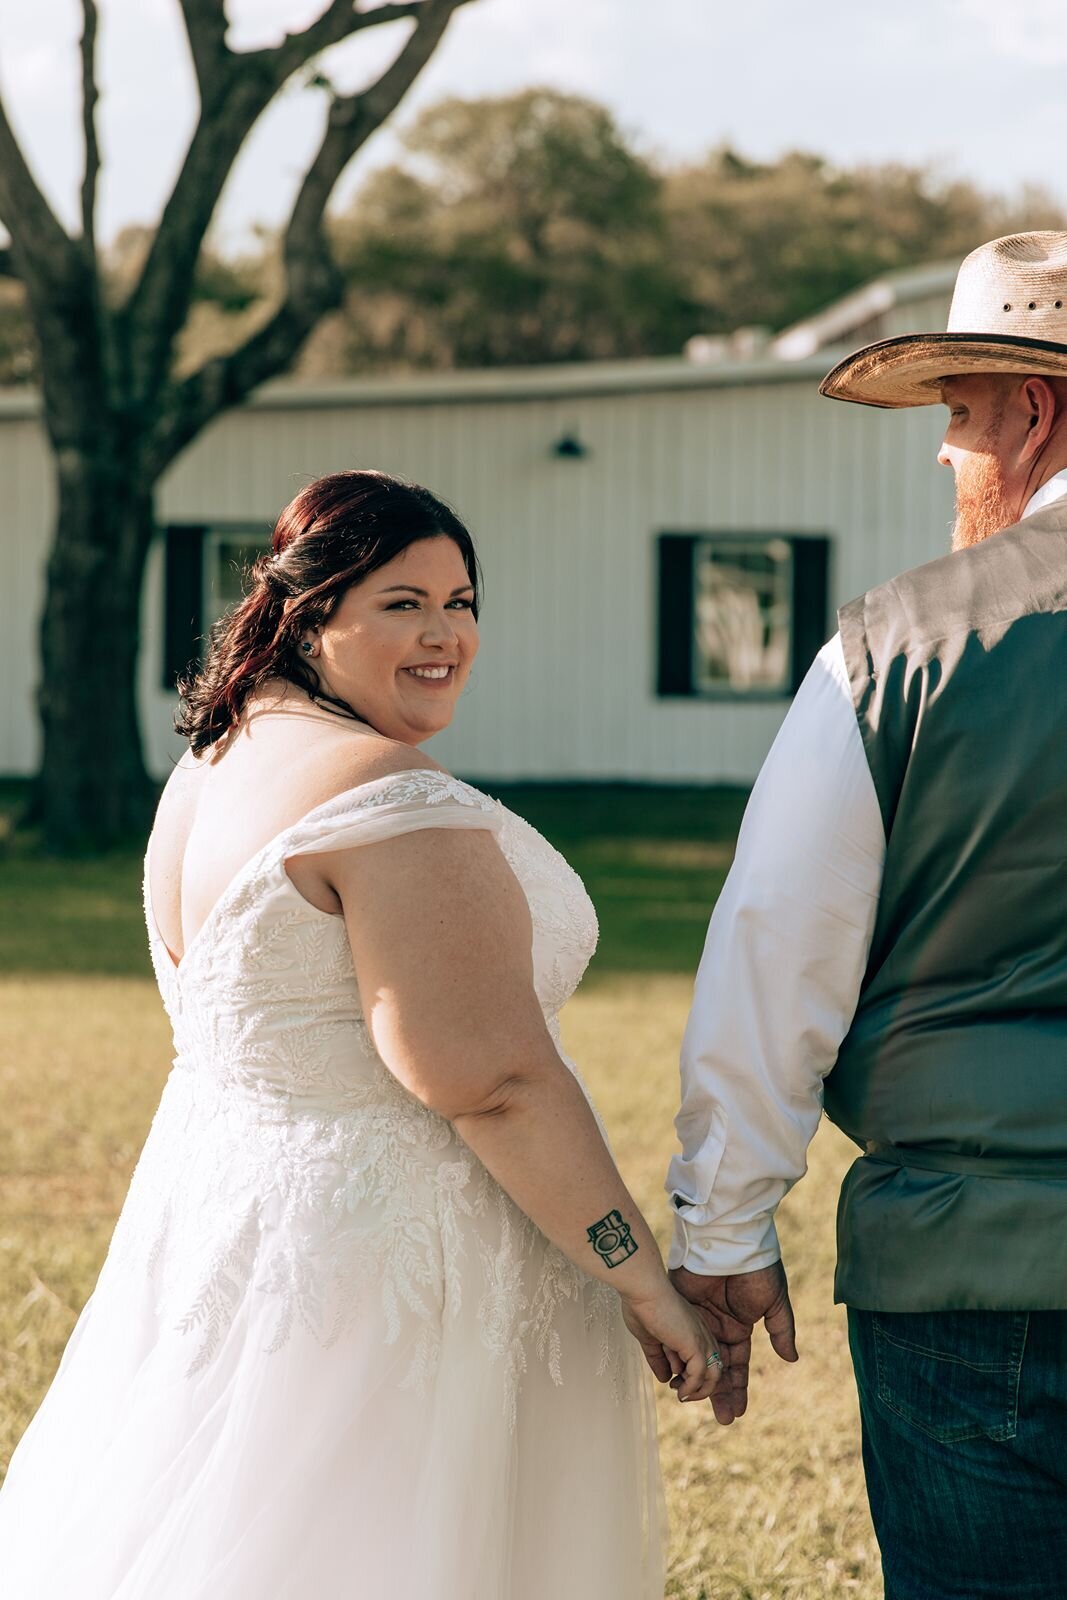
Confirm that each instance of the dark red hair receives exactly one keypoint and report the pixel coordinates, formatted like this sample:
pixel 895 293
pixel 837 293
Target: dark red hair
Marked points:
pixel 336 532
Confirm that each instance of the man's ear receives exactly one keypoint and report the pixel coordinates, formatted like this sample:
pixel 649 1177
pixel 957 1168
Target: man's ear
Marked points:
pixel 1039 398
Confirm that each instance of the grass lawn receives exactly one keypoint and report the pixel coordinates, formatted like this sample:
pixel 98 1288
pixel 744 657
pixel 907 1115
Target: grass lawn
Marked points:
pixel 770 1509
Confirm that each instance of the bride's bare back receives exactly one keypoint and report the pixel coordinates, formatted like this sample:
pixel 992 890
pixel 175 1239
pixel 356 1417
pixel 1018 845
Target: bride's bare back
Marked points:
pixel 219 810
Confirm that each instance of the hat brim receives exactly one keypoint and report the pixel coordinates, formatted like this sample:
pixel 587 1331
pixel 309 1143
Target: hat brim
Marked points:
pixel 907 370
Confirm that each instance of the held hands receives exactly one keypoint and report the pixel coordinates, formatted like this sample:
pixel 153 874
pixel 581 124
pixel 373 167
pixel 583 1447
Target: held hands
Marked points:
pixel 731 1307
pixel 677 1341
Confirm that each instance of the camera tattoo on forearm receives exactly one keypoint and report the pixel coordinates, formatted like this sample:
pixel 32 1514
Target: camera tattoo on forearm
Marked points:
pixel 612 1240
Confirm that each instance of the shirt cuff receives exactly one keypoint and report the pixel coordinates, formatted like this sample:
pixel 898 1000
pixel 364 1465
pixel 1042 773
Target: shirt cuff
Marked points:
pixel 715 1250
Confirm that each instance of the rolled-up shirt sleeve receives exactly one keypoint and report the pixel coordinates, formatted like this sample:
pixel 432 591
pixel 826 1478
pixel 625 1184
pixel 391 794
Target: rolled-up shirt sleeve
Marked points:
pixel 779 980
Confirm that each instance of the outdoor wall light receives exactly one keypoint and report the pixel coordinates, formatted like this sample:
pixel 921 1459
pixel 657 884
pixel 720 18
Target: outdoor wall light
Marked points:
pixel 568 447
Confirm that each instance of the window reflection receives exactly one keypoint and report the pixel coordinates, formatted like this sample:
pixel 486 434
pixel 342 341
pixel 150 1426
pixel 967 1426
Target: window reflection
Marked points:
pixel 742 611
pixel 229 555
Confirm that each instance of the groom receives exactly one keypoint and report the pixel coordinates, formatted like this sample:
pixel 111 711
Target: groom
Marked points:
pixel 893 936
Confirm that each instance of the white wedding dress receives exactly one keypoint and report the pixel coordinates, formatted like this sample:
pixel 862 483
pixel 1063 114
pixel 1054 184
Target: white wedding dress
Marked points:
pixel 327 1357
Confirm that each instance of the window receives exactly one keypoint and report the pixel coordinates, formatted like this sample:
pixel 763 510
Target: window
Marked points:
pixel 229 555
pixel 740 615
pixel 203 573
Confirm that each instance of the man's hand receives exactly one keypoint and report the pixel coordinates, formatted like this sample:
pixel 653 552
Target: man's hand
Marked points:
pixel 732 1306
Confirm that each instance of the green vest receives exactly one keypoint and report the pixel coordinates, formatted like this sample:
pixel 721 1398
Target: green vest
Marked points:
pixel 953 1075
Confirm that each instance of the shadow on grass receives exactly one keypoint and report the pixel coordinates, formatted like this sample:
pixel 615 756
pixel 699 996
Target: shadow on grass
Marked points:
pixel 653 859
pixel 81 916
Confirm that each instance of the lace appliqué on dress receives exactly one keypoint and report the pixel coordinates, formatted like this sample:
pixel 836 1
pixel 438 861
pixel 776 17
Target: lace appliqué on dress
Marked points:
pixel 286 1164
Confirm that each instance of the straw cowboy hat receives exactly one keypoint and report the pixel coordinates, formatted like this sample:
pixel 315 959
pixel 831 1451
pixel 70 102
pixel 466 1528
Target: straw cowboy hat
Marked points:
pixel 1008 314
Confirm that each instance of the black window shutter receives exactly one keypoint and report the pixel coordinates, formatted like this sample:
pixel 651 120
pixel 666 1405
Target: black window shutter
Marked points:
pixel 675 614
pixel 811 567
pixel 183 600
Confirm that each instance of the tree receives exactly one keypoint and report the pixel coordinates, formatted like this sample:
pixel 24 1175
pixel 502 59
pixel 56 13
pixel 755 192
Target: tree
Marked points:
pixel 769 243
pixel 521 228
pixel 528 229
pixel 117 410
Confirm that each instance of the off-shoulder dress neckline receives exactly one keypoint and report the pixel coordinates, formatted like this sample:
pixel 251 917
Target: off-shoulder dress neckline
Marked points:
pixel 244 871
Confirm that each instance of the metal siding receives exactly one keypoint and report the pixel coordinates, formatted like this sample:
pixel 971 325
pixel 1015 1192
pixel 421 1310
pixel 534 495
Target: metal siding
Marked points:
pixel 564 684
pixel 926 315
pixel 25 535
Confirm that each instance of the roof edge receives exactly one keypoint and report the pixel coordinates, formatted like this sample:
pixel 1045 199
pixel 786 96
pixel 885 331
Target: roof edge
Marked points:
pixel 575 380
pixel 835 321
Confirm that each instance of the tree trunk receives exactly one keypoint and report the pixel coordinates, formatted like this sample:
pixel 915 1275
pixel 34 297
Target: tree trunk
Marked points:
pixel 116 413
pixel 92 789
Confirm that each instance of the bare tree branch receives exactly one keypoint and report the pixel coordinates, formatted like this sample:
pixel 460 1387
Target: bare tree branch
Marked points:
pixel 313 282
pixel 90 96
pixel 234 90
pixel 339 21
pixel 157 305
pixel 205 27
pixel 352 120
pixel 40 245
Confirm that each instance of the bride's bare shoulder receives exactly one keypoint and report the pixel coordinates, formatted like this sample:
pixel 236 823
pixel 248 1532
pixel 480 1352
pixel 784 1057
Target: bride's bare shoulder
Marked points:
pixel 382 758
pixel 285 769
pixel 354 764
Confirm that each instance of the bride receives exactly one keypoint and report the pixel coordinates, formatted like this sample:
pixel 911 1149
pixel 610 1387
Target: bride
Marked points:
pixel 361 1332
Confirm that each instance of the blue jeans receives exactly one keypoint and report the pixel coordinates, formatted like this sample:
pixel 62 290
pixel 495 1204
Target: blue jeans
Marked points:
pixel 964 1419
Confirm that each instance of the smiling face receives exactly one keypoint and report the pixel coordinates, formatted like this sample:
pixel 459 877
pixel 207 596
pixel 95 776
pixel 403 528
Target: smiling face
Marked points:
pixel 398 646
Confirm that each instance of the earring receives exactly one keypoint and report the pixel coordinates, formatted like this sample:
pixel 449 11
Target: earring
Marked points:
pixel 308 649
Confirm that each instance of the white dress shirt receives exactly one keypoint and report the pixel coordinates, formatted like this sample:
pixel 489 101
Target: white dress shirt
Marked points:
pixel 780 977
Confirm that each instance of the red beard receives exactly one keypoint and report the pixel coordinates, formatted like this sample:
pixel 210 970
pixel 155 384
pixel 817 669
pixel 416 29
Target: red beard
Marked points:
pixel 982 504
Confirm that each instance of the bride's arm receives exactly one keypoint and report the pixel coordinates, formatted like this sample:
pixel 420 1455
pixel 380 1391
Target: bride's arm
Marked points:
pixel 441 940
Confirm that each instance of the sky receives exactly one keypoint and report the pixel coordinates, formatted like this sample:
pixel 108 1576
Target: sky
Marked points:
pixel 972 86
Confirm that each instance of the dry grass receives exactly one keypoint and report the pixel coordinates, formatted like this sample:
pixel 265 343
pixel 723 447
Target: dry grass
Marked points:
pixel 773 1507
pixel 82 1062
pixel 770 1509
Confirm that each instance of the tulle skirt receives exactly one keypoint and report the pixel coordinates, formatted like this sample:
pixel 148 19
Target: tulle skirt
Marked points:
pixel 503 1450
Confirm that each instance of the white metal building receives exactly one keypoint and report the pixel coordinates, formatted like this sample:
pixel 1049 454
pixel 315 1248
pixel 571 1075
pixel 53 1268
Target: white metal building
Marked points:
pixel 664 542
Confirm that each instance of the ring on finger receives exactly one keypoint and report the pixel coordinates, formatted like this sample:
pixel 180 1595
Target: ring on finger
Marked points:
pixel 714 1360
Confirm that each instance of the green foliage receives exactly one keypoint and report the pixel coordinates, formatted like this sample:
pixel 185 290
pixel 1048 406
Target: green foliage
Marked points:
pixel 229 298
pixel 528 229
pixel 769 243
pixel 232 284
pixel 520 229
pixel 18 347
